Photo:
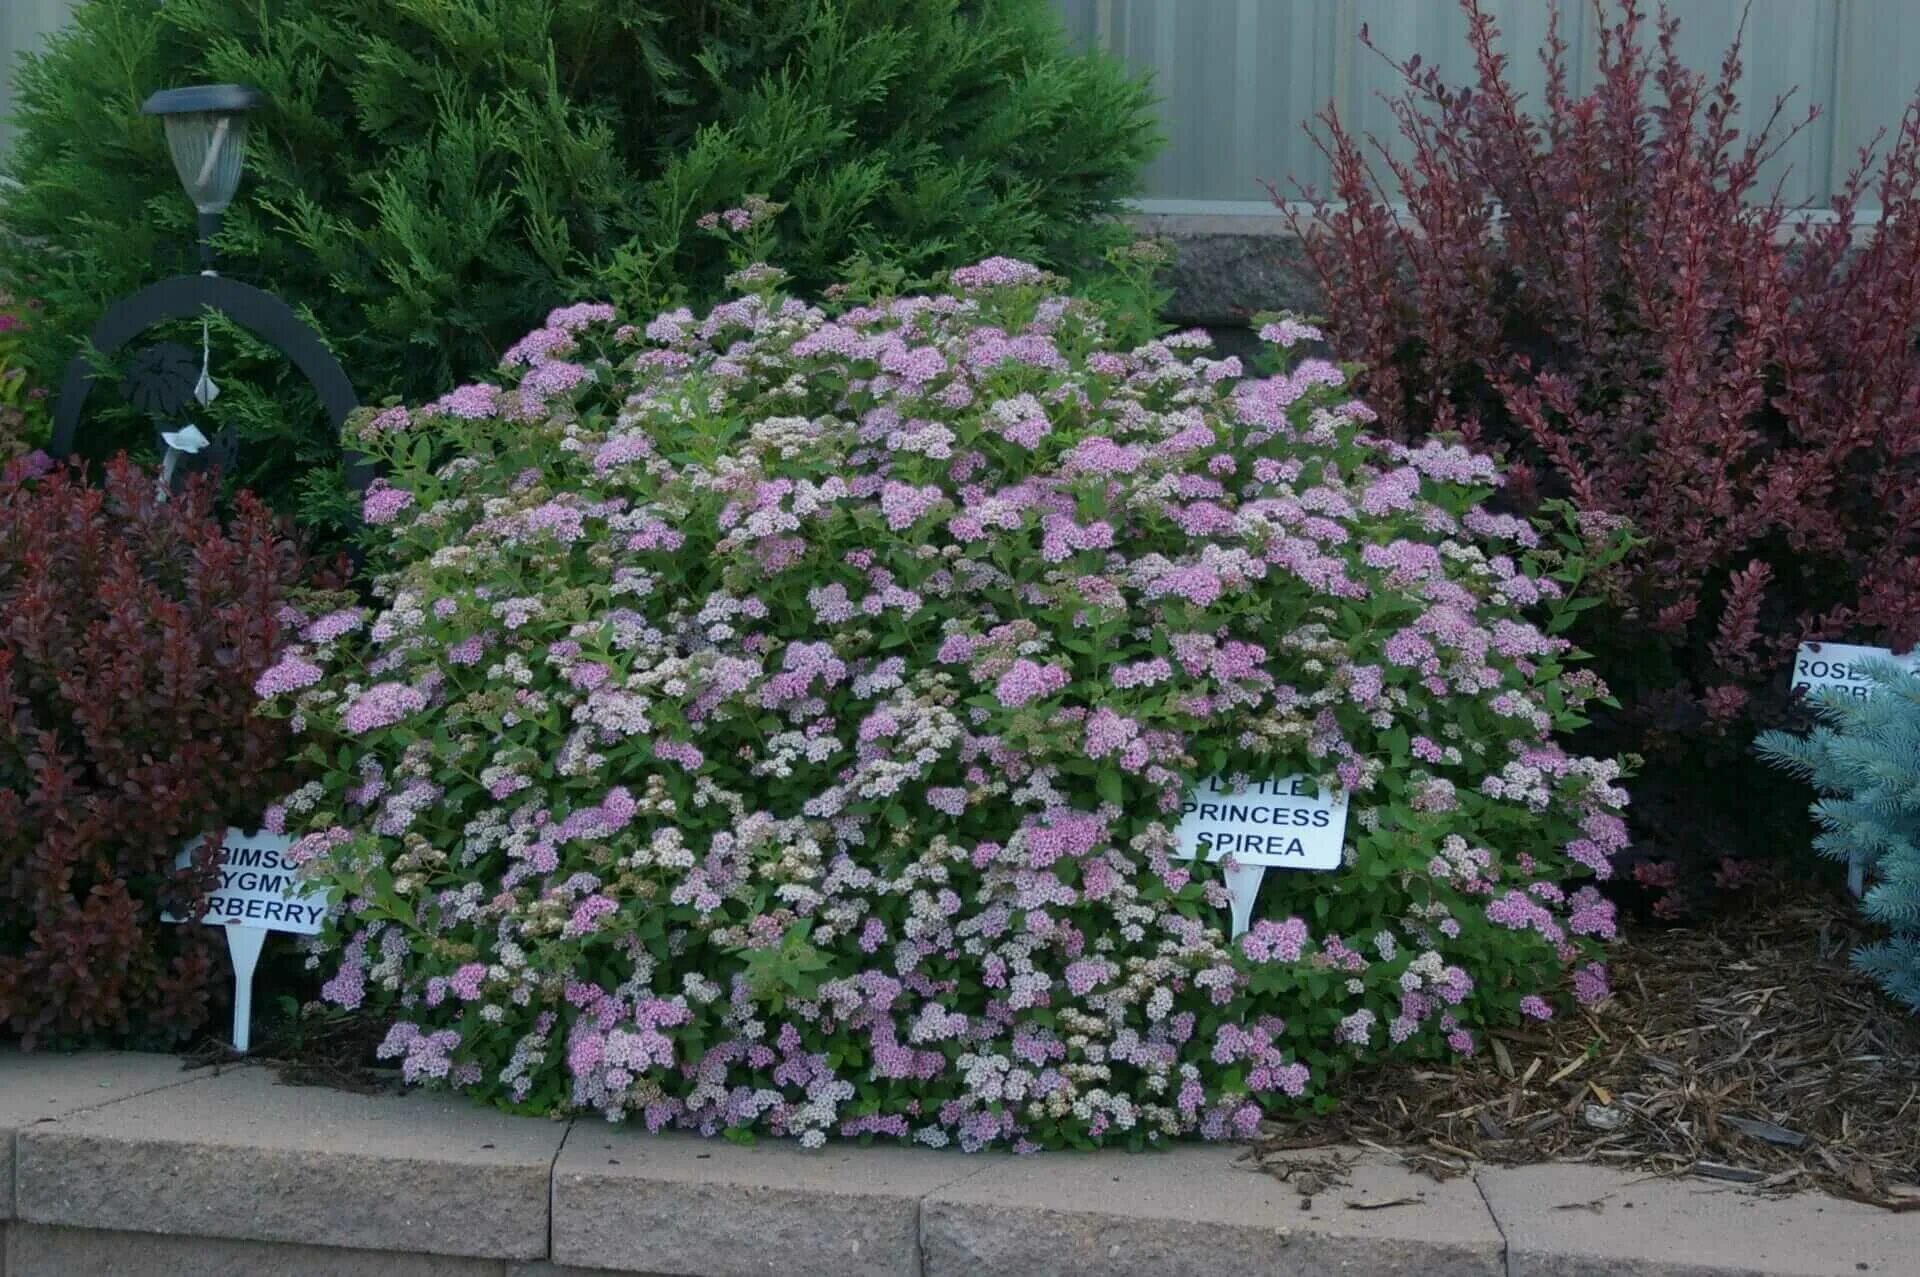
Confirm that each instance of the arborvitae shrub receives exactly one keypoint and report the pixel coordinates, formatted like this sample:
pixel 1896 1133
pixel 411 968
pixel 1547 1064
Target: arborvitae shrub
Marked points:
pixel 425 175
pixel 1864 759
pixel 1605 290
pixel 775 721
pixel 131 631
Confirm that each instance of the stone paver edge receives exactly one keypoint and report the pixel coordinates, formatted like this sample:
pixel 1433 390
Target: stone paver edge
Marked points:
pixel 938 1193
pixel 10 1153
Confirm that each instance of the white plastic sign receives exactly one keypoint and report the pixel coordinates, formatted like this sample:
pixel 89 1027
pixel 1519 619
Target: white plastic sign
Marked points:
pixel 1817 666
pixel 1289 823
pixel 257 891
pixel 257 887
pixel 1840 667
pixel 1286 823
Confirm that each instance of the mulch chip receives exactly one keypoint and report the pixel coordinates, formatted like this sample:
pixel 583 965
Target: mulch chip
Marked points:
pixel 1745 1050
pixel 334 1051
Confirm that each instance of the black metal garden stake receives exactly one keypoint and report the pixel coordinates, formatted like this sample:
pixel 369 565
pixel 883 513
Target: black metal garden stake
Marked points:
pixel 206 129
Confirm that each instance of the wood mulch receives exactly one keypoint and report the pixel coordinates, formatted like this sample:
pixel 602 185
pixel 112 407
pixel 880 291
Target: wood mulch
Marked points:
pixel 328 1049
pixel 1745 1050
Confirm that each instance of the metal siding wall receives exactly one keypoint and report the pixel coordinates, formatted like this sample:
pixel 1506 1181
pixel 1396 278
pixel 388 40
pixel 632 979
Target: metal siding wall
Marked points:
pixel 23 25
pixel 1239 77
pixel 1877 59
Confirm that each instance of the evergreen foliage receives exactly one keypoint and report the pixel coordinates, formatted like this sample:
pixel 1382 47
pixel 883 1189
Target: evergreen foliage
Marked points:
pixel 430 174
pixel 1865 761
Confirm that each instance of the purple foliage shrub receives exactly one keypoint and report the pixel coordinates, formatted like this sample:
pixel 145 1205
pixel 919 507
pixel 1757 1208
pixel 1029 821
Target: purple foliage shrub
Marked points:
pixel 1606 292
pixel 132 630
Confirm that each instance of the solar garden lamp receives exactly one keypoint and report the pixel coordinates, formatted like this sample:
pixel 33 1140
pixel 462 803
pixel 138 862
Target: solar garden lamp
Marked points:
pixel 207 137
pixel 206 128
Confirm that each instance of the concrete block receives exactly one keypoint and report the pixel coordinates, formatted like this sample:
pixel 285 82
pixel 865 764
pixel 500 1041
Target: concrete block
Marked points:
pixel 677 1204
pixel 1588 1221
pixel 35 1250
pixel 240 1156
pixel 41 1086
pixel 1193 1212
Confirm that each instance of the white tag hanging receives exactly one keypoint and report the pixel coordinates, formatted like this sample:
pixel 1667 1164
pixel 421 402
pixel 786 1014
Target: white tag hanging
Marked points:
pixel 182 442
pixel 204 390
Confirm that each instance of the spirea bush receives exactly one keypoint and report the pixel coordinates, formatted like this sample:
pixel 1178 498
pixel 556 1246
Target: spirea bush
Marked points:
pixel 775 721
pixel 131 633
pixel 1608 289
pixel 1864 759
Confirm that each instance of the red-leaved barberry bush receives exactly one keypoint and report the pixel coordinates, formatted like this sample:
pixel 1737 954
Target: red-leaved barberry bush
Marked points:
pixel 131 632
pixel 1605 290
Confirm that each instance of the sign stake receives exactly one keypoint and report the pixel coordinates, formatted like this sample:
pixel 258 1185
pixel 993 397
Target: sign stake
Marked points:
pixel 243 944
pixel 1243 881
pixel 1842 667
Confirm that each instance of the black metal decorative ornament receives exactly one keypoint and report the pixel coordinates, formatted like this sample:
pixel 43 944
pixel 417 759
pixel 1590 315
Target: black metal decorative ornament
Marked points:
pixel 206 135
pixel 160 378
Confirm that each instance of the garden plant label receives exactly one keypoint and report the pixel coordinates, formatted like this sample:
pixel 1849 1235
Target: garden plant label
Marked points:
pixel 1817 666
pixel 1841 667
pixel 1287 823
pixel 257 887
pixel 257 892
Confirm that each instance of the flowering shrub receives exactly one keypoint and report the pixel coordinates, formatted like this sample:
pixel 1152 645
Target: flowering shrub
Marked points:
pixel 776 721
pixel 131 631
pixel 1607 292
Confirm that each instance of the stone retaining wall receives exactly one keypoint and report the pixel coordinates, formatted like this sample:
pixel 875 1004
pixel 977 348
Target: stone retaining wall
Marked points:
pixel 127 1164
pixel 1229 267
